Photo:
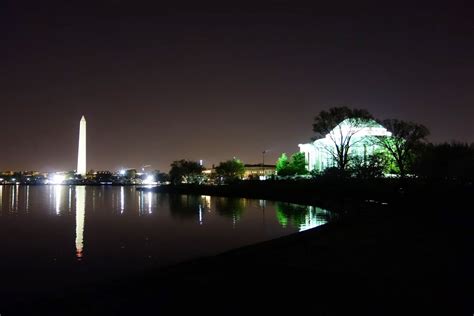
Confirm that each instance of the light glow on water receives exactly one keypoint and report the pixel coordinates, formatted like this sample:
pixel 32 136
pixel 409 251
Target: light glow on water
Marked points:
pixel 80 216
pixel 149 202
pixel 181 226
pixel 57 194
pixel 200 214
pixel 27 204
pixel 122 200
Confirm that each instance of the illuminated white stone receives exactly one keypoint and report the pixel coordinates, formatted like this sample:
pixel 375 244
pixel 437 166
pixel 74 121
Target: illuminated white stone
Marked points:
pixel 318 153
pixel 81 154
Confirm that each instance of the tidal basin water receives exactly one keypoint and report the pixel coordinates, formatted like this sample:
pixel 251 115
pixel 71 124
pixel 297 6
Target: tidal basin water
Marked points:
pixel 63 235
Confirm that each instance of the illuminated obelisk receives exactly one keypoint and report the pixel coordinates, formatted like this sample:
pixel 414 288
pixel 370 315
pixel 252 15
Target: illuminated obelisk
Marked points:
pixel 81 154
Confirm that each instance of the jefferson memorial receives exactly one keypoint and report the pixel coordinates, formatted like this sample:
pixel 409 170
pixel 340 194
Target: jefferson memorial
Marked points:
pixel 319 154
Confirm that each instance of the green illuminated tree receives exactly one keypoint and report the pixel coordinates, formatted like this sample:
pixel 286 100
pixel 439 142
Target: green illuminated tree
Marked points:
pixel 290 167
pixel 282 165
pixel 230 170
pixel 298 164
pixel 402 145
pixel 327 123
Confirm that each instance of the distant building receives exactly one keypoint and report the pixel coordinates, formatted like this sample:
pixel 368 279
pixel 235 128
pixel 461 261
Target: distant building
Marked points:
pixel 257 170
pixel 208 172
pixel 318 153
pixel 31 173
pixel 252 171
pixel 104 176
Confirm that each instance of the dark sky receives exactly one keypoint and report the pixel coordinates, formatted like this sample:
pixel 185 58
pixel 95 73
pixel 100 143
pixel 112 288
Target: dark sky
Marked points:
pixel 159 83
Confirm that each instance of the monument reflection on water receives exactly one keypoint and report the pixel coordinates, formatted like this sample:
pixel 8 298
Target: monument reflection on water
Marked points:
pixel 136 228
pixel 80 214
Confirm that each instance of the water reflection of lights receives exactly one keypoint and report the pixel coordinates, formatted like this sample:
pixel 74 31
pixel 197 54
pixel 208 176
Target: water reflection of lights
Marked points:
pixel 17 186
pixel 57 195
pixel 206 199
pixel 302 217
pixel 122 200
pixel 149 202
pixel 313 218
pixel 1 198
pixel 27 206
pixel 145 202
pixel 140 202
pixel 200 214
pixel 69 200
pixel 80 215
pixel 12 199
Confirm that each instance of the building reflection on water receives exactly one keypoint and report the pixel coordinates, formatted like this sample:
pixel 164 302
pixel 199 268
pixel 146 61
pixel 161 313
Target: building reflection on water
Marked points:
pixel 63 200
pixel 303 217
pixel 16 199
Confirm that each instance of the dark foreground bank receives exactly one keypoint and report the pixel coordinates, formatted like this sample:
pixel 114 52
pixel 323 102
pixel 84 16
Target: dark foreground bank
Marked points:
pixel 410 257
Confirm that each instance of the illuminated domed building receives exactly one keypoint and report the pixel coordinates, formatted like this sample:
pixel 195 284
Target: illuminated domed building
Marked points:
pixel 320 153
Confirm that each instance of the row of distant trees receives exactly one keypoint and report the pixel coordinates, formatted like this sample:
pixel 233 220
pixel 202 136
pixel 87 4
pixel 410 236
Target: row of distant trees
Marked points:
pixel 186 171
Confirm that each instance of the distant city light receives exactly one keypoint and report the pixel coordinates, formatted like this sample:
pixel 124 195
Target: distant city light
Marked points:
pixel 122 172
pixel 149 180
pixel 57 179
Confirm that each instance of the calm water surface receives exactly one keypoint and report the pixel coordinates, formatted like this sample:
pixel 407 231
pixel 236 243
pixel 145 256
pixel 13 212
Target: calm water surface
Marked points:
pixel 63 235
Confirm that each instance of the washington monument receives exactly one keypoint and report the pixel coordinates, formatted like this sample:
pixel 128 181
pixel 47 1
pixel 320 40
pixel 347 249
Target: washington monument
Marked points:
pixel 81 154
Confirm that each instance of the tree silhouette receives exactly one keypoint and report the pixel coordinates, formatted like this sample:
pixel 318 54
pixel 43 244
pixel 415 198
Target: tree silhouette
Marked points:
pixel 230 170
pixel 340 125
pixel 185 171
pixel 401 146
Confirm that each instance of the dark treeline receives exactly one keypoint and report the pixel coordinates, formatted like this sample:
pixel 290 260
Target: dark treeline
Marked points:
pixel 448 161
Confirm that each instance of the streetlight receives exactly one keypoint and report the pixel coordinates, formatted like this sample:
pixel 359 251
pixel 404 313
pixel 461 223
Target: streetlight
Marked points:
pixel 263 163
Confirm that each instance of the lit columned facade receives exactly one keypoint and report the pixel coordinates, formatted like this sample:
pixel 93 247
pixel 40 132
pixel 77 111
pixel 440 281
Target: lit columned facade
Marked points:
pixel 319 154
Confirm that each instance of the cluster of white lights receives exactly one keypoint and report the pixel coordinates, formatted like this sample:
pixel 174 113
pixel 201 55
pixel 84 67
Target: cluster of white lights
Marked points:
pixel 57 179
pixel 149 180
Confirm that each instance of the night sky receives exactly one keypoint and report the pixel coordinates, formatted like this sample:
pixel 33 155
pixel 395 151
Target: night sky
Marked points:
pixel 160 83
